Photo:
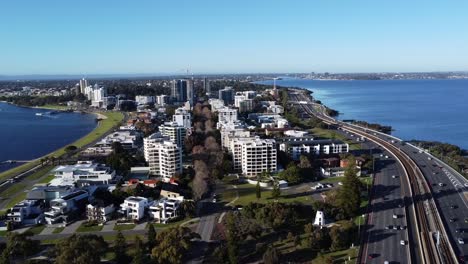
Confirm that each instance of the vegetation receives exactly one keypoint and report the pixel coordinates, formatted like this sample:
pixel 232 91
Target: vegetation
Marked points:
pixel 172 245
pixel 450 154
pixel 18 246
pixel 80 249
pixel 378 127
pixel 89 227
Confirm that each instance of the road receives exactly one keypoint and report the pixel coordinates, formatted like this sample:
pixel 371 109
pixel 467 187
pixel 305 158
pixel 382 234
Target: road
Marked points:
pixel 426 213
pixel 451 198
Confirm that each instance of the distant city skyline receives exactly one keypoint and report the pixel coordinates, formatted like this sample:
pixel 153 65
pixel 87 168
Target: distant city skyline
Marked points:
pixel 206 37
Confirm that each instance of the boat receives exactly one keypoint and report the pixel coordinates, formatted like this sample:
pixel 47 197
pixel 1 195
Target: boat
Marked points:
pixel 39 114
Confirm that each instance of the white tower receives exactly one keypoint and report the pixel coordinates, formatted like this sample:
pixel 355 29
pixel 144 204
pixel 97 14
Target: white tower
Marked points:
pixel 319 219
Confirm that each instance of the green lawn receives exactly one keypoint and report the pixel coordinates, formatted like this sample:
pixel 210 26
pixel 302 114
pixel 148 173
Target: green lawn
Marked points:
pixel 113 120
pixel 47 179
pixel 40 173
pixel 58 230
pixel 83 228
pixel 36 230
pixel 124 227
pixel 3 233
pixel 53 107
pixel 327 133
pixel 333 180
pixel 171 224
pixel 247 195
pixel 339 257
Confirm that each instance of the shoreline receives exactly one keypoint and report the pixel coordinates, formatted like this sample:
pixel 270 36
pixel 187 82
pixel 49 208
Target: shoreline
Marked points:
pixel 81 142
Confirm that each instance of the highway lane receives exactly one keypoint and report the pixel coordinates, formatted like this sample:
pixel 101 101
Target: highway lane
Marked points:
pixel 387 195
pixel 450 197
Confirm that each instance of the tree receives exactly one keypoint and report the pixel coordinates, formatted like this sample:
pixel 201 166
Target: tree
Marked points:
pixel 139 253
pixel 271 256
pixel 258 191
pixel 70 149
pixel 349 195
pixel 151 238
pixel 232 239
pixel 120 247
pixel 19 245
pixel 80 249
pixel 276 192
pixel 292 174
pixel 173 244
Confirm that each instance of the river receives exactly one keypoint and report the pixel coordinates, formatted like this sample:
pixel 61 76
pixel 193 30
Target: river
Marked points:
pixel 435 110
pixel 25 135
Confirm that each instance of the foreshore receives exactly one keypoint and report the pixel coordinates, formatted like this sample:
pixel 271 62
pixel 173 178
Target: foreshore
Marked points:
pixel 108 121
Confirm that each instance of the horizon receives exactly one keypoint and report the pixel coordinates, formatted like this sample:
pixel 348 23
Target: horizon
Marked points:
pixel 159 38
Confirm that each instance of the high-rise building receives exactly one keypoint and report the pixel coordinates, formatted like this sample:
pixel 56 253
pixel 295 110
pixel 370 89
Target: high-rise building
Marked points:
pixel 182 117
pixel 227 115
pixel 227 95
pixel 164 157
pixel 175 132
pixel 83 85
pixel 206 86
pixel 144 99
pixel 182 91
pixel 253 155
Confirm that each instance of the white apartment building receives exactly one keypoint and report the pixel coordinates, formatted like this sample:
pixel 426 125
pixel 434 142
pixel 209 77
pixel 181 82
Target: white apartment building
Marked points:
pixel 182 117
pixel 129 139
pixel 258 155
pixel 162 100
pixel 295 133
pixel 82 171
pixel 295 147
pixel 227 115
pixel 61 208
pixel 165 209
pixel 277 109
pixel 164 157
pixel 175 132
pixel 228 134
pixel 134 207
pixel 253 155
pixel 27 212
pixel 216 104
pixel 144 99
pixel 99 212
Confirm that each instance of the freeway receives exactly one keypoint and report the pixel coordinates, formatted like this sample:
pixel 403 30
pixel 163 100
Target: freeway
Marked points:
pixel 432 243
pixel 449 191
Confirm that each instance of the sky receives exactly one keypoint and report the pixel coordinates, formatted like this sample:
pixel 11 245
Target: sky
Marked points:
pixel 213 36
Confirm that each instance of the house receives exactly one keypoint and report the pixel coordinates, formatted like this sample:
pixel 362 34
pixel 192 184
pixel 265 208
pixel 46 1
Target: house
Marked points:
pixel 331 162
pixel 66 208
pixel 27 212
pixel 332 172
pixel 169 190
pixel 86 172
pixel 134 207
pixel 99 211
pixel 165 209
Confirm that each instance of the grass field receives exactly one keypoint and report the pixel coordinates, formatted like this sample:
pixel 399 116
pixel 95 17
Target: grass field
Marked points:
pixel 247 194
pixel 58 230
pixel 41 172
pixel 113 119
pixel 326 133
pixel 124 227
pixel 53 107
pixel 36 230
pixel 93 228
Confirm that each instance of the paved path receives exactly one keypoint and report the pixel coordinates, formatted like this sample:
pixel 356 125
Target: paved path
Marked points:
pixel 141 226
pixel 72 228
pixel 109 226
pixel 47 231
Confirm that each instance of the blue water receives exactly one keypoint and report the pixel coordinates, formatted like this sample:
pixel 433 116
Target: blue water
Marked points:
pixel 25 136
pixel 416 109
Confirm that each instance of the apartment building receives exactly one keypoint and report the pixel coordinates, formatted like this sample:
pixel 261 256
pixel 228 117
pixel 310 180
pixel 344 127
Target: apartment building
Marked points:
pixel 227 115
pixel 295 147
pixel 165 209
pixel 252 155
pixel 175 132
pixel 182 117
pixel 66 208
pixel 164 157
pixel 134 207
pixel 99 211
pixel 27 212
pixel 129 139
pixel 86 172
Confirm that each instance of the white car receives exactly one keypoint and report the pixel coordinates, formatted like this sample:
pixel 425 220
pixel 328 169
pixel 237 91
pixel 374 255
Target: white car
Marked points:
pixel 340 183
pixel 394 176
pixel 429 158
pixel 402 242
pixel 461 241
pixel 395 216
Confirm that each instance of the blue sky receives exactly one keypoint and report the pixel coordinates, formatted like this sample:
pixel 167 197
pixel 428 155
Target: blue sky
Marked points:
pixel 208 36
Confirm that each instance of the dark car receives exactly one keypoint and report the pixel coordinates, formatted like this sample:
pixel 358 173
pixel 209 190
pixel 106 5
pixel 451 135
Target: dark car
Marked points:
pixel 452 220
pixel 453 206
